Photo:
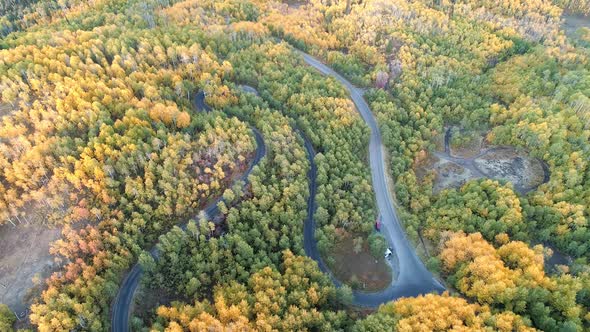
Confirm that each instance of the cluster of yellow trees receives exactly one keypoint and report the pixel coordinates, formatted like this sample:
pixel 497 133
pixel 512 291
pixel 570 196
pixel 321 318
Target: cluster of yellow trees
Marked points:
pixel 441 313
pixel 102 133
pixel 296 297
pixel 61 97
pixel 504 66
pixel 103 137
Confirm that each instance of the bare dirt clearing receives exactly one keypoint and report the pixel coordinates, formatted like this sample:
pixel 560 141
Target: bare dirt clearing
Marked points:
pixel 25 254
pixel 449 174
pixel 359 270
pixel 508 164
pixel 571 23
pixel 454 167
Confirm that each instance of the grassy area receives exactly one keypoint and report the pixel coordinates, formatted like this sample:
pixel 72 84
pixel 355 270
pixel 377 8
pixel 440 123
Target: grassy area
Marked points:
pixel 360 269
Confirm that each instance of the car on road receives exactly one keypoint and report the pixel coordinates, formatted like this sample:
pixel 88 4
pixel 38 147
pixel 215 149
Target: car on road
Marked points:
pixel 388 252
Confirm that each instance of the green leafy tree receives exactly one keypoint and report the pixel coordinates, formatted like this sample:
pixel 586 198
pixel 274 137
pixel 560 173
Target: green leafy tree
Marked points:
pixel 377 245
pixel 7 318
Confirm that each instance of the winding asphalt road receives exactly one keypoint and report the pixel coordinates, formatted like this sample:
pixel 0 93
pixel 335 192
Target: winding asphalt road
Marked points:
pixel 413 279
pixel 122 304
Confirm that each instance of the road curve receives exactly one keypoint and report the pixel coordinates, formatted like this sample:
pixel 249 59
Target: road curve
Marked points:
pixel 413 279
pixel 122 304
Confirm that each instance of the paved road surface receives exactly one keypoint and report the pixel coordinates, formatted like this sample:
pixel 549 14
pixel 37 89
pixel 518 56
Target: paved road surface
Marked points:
pixel 413 279
pixel 122 303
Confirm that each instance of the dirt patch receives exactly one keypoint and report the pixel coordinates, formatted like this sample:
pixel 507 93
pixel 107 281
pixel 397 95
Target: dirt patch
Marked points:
pixel 571 23
pixel 508 164
pixel 25 255
pixel 360 270
pixel 469 158
pixel 448 174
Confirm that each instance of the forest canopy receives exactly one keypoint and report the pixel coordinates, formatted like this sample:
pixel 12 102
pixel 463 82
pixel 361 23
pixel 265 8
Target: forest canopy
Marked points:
pixel 123 122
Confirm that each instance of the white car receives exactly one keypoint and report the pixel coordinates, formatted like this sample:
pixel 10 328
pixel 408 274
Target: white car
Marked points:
pixel 388 253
